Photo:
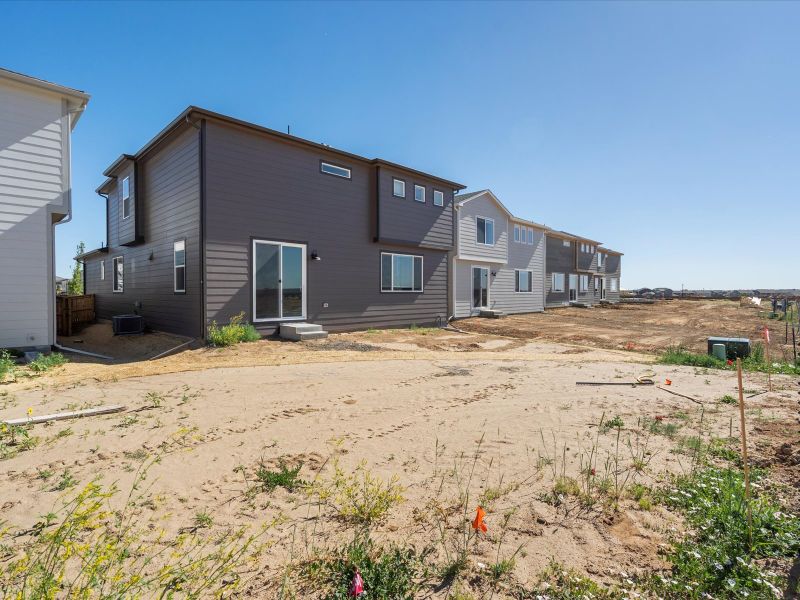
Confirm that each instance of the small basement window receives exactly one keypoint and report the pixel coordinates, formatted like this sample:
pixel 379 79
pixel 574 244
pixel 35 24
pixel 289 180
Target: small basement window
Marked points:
pixel 557 283
pixel 419 193
pixel 335 170
pixel 485 231
pixel 438 198
pixel 102 270
pixel 126 197
pixel 119 268
pixel 398 188
pixel 179 266
pixel 523 281
pixel 401 272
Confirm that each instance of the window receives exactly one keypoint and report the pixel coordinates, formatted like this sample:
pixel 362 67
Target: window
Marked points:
pixel 438 198
pixel 419 193
pixel 179 266
pixel 279 281
pixel 530 236
pixel 126 197
pixel 523 281
pixel 614 283
pixel 600 258
pixel 523 235
pixel 102 270
pixel 401 272
pixel 118 273
pixel 485 228
pixel 596 284
pixel 398 188
pixel 516 233
pixel 558 282
pixel 336 170
pixel 566 243
pixel 584 283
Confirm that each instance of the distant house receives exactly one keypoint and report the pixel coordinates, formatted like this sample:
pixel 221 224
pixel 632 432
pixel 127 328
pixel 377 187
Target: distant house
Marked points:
pixel 499 259
pixel 36 120
pixel 62 285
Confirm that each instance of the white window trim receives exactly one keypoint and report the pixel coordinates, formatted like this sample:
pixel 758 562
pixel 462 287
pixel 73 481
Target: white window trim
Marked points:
pixel 566 243
pixel 419 187
pixel 175 267
pixel 126 200
pixel 421 279
pixel 581 287
pixel 600 259
pixel 553 287
pixel 396 180
pixel 483 243
pixel 114 274
pixel 614 284
pixel 324 164
pixel 516 281
pixel 102 270
pixel 440 195
pixel 516 233
pixel 530 239
pixel 280 276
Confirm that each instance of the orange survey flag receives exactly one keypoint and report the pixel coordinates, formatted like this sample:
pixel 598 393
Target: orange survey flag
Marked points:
pixel 478 524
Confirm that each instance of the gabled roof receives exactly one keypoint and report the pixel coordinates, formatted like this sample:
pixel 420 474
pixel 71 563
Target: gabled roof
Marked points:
pixel 610 251
pixel 90 253
pixel 194 111
pixel 581 238
pixel 462 199
pixel 77 98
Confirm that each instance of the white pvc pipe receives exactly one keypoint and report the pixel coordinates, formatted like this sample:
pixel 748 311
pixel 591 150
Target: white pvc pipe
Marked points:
pixel 84 352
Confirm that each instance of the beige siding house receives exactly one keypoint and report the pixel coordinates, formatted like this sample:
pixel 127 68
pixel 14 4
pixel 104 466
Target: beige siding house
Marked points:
pixel 36 119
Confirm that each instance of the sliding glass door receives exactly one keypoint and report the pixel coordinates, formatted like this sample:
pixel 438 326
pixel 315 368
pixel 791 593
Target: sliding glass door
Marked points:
pixel 279 281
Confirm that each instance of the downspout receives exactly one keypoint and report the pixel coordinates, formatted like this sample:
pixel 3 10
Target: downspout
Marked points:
pixel 452 280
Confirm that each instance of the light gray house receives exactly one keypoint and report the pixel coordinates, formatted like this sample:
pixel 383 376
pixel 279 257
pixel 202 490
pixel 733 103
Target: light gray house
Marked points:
pixel 216 216
pixel 36 122
pixel 499 263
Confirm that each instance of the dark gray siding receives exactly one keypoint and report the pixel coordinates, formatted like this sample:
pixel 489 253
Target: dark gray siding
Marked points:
pixel 559 259
pixel 404 220
pixel 259 187
pixel 123 231
pixel 169 203
pixel 587 261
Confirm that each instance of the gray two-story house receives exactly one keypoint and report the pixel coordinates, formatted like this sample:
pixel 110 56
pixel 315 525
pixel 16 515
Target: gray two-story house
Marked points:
pixel 499 263
pixel 216 216
pixel 580 271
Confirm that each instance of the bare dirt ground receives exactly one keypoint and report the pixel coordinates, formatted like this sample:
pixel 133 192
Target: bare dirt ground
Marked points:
pixel 640 327
pixel 422 405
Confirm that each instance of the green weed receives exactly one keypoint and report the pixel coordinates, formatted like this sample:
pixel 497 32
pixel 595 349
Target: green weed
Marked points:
pixel 285 477
pixel 235 332
pixel 755 362
pixel 45 362
pixel 7 366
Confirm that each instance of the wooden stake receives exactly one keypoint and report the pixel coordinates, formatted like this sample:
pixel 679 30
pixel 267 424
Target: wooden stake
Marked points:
pixel 743 432
pixel 769 369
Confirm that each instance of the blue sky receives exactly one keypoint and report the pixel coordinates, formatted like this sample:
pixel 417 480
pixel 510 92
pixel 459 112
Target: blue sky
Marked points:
pixel 669 131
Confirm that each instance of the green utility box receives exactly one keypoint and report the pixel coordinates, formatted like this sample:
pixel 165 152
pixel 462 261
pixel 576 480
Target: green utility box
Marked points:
pixel 734 347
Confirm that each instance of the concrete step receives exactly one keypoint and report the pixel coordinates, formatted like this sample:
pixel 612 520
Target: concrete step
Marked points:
pixel 301 331
pixel 312 335
pixel 491 314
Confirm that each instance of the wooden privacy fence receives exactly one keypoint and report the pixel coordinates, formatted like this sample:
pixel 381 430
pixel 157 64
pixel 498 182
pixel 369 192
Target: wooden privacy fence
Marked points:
pixel 71 310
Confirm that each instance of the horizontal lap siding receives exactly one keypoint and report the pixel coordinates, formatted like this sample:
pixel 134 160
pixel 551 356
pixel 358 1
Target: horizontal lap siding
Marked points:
pixel 33 157
pixel 257 187
pixel 559 259
pixel 468 246
pixel 613 268
pixel 526 257
pixel 418 223
pixel 169 201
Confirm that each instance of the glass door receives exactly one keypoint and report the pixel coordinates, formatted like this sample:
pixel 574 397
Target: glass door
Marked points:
pixel 573 287
pixel 279 281
pixel 602 288
pixel 480 287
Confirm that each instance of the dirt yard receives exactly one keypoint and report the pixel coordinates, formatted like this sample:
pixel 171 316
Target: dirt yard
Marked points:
pixel 459 419
pixel 641 327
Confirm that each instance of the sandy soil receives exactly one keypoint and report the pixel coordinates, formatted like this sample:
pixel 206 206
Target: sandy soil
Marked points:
pixel 100 339
pixel 641 327
pixel 415 404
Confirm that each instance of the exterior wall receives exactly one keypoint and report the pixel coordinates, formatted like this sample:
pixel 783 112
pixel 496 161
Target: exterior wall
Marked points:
pixel 263 188
pixel 468 247
pixel 524 257
pixel 34 194
pixel 587 261
pixel 613 270
pixel 168 201
pixel 408 222
pixel 123 231
pixel 560 259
